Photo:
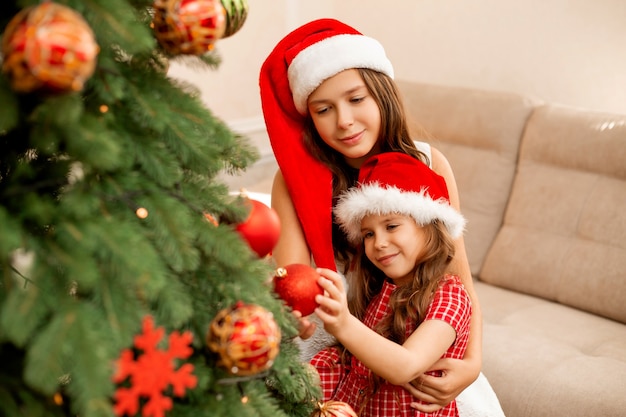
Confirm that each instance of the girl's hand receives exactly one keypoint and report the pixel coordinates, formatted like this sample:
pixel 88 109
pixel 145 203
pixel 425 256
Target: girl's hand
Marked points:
pixel 437 392
pixel 305 327
pixel 333 305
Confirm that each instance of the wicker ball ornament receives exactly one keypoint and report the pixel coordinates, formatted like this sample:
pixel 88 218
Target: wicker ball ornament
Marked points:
pixel 246 338
pixel 48 47
pixel 236 14
pixel 188 27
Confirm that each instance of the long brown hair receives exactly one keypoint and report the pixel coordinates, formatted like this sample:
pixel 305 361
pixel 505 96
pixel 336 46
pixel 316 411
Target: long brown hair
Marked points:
pixel 394 136
pixel 408 302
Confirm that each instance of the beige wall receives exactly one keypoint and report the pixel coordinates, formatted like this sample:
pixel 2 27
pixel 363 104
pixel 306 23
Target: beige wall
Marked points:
pixel 566 51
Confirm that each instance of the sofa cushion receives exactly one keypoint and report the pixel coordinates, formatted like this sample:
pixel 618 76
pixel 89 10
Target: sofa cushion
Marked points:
pixel 563 236
pixel 479 132
pixel 546 359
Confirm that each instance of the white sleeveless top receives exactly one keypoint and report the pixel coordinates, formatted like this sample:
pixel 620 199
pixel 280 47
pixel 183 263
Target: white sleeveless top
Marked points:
pixel 425 148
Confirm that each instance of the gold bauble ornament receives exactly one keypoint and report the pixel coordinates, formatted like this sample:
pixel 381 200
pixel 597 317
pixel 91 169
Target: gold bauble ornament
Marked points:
pixel 246 338
pixel 188 26
pixel 334 409
pixel 48 47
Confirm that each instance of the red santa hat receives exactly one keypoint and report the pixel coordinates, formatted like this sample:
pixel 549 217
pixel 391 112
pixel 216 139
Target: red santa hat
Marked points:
pixel 394 182
pixel 299 63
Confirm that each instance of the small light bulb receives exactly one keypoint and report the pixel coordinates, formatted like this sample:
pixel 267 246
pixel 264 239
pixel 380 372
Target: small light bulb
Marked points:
pixel 211 219
pixel 244 399
pixel 141 212
pixel 104 108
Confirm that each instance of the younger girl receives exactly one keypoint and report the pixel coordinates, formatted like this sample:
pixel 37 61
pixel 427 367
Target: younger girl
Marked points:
pixel 407 311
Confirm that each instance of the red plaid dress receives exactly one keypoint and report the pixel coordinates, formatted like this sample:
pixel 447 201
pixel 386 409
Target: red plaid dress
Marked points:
pixel 351 383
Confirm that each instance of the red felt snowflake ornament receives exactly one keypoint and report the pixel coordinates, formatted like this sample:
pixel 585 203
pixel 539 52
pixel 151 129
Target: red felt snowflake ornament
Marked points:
pixel 152 372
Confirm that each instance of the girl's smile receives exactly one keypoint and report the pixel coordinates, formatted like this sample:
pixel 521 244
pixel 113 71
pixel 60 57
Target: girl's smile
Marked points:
pixel 386 260
pixel 352 140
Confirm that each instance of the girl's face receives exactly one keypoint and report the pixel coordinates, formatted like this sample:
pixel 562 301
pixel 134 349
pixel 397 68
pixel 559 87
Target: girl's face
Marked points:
pixel 394 243
pixel 346 116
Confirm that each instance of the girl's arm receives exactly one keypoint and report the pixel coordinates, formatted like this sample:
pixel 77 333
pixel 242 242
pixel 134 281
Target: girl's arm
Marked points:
pixel 457 374
pixel 398 364
pixel 291 247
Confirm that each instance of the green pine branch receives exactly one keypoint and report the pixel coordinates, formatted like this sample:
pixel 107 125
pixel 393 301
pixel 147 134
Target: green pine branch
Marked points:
pixel 79 269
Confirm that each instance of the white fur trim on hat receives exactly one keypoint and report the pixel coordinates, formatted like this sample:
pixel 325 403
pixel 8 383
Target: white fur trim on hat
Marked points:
pixel 330 56
pixel 372 198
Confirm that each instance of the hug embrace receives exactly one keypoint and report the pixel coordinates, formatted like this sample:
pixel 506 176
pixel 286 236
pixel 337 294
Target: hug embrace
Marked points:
pixel 398 330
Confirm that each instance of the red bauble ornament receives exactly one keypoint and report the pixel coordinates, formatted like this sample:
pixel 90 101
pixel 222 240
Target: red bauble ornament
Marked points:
pixel 297 285
pixel 188 26
pixel 261 229
pixel 246 337
pixel 48 47
pixel 334 409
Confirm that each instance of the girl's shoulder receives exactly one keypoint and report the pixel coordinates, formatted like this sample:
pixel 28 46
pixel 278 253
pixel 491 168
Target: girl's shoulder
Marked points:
pixel 452 283
pixel 451 279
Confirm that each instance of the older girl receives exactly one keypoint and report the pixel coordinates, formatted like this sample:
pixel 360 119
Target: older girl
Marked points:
pixel 330 103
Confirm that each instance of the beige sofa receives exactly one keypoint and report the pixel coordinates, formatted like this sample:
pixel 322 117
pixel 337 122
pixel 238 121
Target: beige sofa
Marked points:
pixel 544 190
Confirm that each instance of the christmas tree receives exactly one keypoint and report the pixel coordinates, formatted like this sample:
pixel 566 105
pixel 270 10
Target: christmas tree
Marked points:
pixel 126 286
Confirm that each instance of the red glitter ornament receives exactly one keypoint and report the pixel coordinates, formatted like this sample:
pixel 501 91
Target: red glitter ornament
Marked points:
pixel 297 285
pixel 48 47
pixel 245 337
pixel 188 26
